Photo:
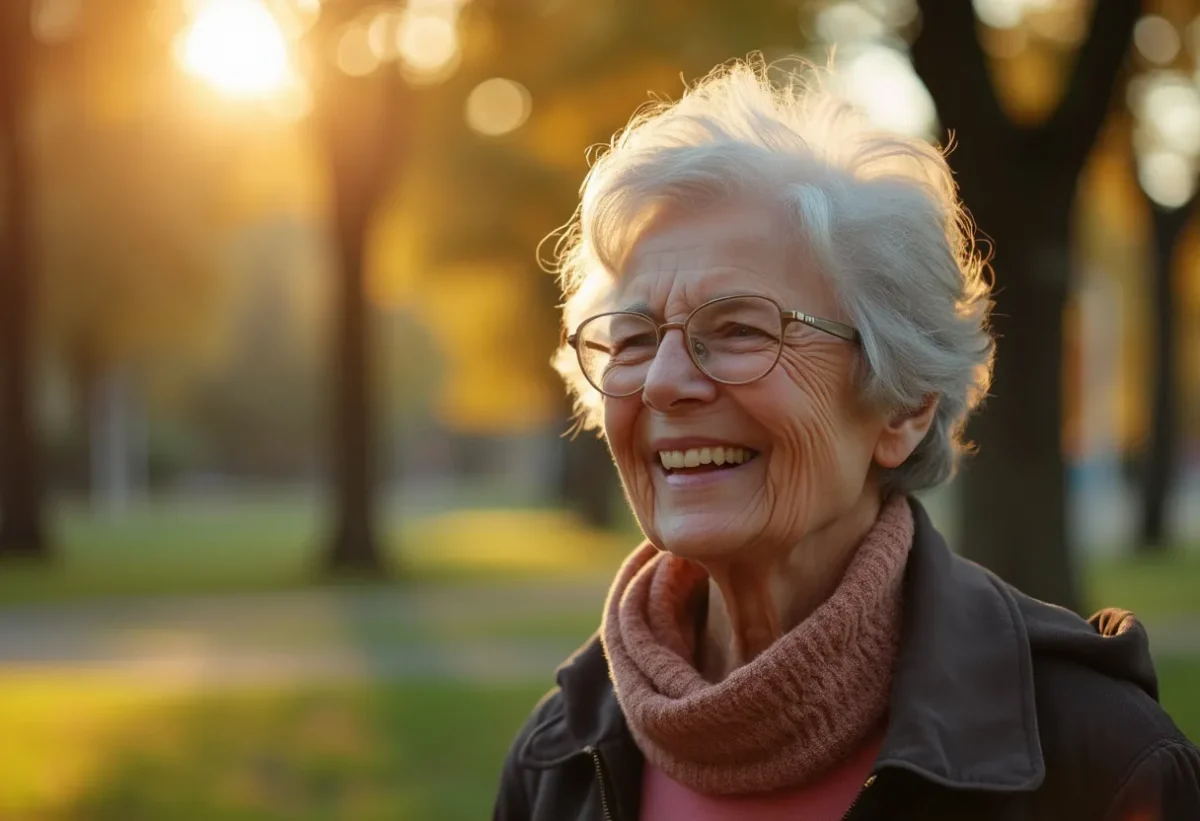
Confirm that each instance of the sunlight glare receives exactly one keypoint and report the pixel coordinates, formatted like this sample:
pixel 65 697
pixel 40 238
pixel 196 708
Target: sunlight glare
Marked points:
pixel 237 47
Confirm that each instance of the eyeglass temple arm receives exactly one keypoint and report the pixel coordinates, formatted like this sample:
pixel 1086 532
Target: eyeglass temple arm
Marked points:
pixel 573 341
pixel 827 325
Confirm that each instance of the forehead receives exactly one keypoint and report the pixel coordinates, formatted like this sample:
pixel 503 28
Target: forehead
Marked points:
pixel 685 259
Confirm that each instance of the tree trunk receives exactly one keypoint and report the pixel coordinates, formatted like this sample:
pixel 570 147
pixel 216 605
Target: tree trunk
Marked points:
pixel 355 547
pixel 1014 490
pixel 22 531
pixel 1020 183
pixel 1159 463
pixel 365 129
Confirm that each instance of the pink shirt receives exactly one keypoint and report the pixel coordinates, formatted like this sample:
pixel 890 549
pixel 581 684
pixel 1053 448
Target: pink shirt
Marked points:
pixel 827 799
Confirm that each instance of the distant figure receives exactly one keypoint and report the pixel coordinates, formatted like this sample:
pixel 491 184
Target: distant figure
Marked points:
pixel 777 316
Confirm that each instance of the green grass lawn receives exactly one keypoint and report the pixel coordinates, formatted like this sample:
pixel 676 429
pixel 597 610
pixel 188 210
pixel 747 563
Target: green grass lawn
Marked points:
pixel 1153 587
pixel 183 548
pixel 1179 691
pixel 100 753
pixel 80 751
pixel 92 749
pixel 275 543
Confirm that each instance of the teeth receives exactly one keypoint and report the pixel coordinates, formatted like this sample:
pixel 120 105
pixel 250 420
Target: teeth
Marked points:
pixel 720 455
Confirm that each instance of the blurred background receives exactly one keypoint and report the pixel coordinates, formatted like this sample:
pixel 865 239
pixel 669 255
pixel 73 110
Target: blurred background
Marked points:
pixel 289 527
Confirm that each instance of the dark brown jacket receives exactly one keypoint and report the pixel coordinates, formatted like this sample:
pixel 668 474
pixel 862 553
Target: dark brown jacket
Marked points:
pixel 1003 708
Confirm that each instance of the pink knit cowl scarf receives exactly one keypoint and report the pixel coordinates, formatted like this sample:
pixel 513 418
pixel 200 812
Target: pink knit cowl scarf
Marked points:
pixel 798 709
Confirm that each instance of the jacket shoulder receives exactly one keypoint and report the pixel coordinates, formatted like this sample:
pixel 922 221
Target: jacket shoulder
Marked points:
pixel 518 782
pixel 1097 729
pixel 1163 784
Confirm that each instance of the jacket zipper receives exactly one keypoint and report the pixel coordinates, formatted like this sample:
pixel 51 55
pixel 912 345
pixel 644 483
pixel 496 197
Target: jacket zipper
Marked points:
pixel 850 810
pixel 600 781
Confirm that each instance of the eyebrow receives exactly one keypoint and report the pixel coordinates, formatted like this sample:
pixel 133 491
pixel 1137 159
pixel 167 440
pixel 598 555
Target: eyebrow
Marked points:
pixel 640 308
pixel 644 308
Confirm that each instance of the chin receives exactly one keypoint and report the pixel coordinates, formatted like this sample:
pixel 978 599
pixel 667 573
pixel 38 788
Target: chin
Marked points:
pixel 700 536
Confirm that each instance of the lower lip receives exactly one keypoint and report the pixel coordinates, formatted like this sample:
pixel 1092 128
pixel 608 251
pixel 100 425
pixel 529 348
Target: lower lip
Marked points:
pixel 708 477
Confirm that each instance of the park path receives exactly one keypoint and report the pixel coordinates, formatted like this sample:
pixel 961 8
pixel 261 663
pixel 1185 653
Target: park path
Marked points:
pixel 487 633
pixel 493 633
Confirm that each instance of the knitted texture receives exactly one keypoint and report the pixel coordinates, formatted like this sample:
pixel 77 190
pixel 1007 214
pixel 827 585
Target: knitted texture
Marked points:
pixel 798 709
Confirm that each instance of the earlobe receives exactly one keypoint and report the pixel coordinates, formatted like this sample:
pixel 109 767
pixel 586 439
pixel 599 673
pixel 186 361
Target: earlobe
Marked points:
pixel 904 431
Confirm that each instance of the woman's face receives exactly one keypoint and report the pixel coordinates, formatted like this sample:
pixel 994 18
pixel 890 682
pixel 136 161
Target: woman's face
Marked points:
pixel 808 439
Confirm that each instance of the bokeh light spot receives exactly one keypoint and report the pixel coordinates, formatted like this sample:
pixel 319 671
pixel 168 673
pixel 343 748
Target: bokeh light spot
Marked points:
pixel 1156 39
pixel 354 54
pixel 882 82
pixel 56 20
pixel 1173 110
pixel 999 14
pixel 497 106
pixel 1167 178
pixel 427 42
pixel 847 22
pixel 384 32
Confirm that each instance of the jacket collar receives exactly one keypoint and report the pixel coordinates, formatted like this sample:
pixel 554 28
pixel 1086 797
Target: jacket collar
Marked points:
pixel 962 705
pixel 962 708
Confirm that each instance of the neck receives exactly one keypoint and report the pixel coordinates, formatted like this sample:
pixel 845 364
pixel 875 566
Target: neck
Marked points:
pixel 755 601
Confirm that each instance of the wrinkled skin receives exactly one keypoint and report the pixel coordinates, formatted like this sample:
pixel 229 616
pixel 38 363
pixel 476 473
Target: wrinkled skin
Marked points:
pixel 777 533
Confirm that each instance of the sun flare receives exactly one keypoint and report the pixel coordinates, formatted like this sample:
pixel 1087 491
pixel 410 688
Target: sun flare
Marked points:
pixel 237 47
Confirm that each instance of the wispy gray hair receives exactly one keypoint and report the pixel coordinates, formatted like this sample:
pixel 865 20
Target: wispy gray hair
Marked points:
pixel 877 212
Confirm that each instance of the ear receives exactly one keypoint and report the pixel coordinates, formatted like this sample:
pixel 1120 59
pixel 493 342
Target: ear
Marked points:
pixel 903 432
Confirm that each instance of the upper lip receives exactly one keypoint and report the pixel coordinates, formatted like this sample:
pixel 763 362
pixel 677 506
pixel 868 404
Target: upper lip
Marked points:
pixel 694 442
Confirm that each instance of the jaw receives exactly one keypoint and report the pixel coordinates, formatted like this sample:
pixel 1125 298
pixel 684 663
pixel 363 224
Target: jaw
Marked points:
pixel 711 521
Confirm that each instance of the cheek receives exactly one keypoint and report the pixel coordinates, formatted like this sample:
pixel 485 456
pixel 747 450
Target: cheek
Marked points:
pixel 619 421
pixel 811 428
pixel 620 429
pixel 822 448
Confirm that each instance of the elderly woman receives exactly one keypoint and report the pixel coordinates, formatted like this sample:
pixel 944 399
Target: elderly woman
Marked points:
pixel 777 316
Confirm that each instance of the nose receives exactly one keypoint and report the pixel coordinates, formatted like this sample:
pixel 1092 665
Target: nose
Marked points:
pixel 674 380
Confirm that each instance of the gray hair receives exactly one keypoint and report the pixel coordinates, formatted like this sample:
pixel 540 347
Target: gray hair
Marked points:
pixel 877 212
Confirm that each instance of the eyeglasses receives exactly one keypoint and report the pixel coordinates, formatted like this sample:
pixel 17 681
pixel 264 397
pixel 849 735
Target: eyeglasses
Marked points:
pixel 733 340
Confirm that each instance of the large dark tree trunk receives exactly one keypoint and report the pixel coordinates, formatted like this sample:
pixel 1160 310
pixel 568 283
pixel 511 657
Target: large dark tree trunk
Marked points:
pixel 1020 184
pixel 362 125
pixel 355 545
pixel 1159 460
pixel 22 532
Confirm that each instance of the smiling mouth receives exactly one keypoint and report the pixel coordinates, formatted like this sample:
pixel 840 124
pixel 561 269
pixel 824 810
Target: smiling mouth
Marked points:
pixel 704 460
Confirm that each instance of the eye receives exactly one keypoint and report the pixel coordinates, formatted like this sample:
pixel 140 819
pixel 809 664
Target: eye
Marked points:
pixel 635 340
pixel 740 330
pixel 634 345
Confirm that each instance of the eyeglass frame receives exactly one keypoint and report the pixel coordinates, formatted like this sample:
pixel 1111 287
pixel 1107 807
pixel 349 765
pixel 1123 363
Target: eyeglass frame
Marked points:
pixel 786 318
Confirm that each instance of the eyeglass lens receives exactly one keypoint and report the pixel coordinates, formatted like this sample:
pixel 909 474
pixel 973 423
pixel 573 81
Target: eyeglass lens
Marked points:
pixel 731 340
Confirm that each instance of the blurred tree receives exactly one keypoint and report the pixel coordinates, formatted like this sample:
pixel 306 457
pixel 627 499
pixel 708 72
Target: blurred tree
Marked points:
pixel 22 531
pixel 1019 181
pixel 541 83
pixel 1160 459
pixel 1165 103
pixel 259 412
pixel 131 222
pixel 365 122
